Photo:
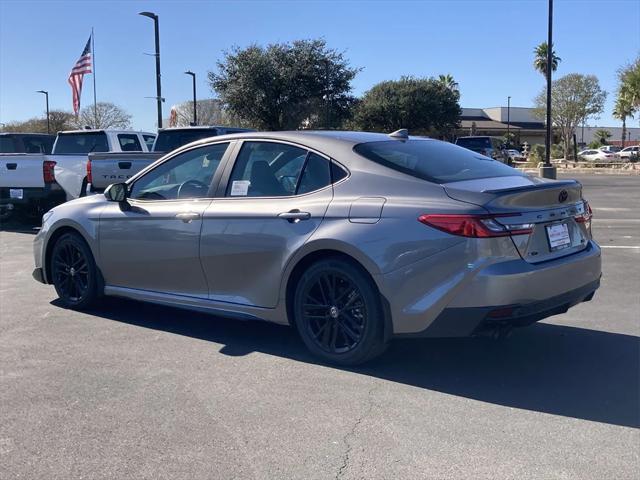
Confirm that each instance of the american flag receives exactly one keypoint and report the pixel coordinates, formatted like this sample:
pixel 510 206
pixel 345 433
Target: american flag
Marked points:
pixel 82 66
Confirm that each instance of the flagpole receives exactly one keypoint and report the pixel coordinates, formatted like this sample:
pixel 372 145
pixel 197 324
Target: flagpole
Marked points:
pixel 93 70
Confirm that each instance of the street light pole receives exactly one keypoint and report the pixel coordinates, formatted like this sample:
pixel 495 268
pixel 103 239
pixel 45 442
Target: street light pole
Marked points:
pixel 508 120
pixel 154 17
pixel 547 171
pixel 46 94
pixel 195 113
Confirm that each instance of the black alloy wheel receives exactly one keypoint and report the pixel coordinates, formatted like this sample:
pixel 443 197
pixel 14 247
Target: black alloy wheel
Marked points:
pixel 337 311
pixel 73 271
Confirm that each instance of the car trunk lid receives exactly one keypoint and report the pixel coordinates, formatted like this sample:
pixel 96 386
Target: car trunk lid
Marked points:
pixel 554 211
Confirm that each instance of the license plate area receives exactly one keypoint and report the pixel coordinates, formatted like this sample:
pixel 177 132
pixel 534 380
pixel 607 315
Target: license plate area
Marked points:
pixel 16 193
pixel 558 236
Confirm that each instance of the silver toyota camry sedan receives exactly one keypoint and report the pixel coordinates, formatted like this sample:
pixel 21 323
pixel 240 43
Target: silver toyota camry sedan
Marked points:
pixel 353 238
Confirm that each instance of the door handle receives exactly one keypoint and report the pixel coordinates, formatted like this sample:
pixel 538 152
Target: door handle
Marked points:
pixel 188 217
pixel 294 216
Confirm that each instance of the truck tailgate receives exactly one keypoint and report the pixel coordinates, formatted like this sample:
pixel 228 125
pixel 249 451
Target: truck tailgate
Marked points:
pixel 108 168
pixel 21 170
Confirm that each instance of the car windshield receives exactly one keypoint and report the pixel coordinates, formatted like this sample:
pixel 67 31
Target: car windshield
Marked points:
pixel 81 143
pixel 433 160
pixel 169 140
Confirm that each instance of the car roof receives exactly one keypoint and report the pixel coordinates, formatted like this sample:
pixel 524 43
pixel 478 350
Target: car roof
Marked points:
pixel 334 143
pixel 104 130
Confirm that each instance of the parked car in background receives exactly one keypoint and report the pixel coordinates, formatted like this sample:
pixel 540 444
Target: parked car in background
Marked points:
pixel 27 181
pixel 492 147
pixel 629 153
pixel 515 155
pixel 598 156
pixel 103 169
pixel 610 148
pixel 72 148
pixel 352 237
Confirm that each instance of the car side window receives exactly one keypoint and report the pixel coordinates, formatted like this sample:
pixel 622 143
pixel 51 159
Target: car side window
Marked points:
pixel 129 143
pixel 266 169
pixel 316 175
pixel 187 175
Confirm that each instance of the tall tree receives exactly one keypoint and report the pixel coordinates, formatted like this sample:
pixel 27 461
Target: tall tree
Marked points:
pixel 621 110
pixel 448 81
pixel 58 119
pixel 629 83
pixel 105 115
pixel 575 98
pixel 282 85
pixel 627 95
pixel 540 59
pixel 423 105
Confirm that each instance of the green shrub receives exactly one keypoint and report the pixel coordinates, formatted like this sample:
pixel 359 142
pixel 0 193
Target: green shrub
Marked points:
pixel 537 153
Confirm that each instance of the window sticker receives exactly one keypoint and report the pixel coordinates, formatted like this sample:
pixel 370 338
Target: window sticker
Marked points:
pixel 240 188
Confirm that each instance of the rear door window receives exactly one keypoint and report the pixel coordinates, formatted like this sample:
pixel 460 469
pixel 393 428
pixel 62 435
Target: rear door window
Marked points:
pixel 433 160
pixel 129 142
pixel 266 169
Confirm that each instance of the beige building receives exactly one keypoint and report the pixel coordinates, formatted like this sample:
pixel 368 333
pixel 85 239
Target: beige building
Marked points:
pixel 496 121
pixel 528 128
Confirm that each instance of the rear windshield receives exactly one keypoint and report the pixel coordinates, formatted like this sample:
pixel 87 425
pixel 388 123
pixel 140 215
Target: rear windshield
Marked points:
pixel 7 144
pixel 435 161
pixel 474 143
pixel 78 143
pixel 169 140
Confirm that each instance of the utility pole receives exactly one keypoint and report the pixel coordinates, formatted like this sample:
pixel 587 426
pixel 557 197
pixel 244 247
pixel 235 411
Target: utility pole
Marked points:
pixel 547 171
pixel 508 121
pixel 195 113
pixel 159 98
pixel 46 94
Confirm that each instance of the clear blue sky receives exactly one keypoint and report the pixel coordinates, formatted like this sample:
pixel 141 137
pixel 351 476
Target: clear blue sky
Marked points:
pixel 486 45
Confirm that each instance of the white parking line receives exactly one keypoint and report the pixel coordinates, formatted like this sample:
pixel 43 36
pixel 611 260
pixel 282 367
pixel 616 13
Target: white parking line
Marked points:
pixel 620 246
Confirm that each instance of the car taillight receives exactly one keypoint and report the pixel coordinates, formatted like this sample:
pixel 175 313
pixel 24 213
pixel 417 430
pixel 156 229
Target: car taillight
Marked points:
pixel 48 173
pixel 89 177
pixel 475 226
pixel 585 217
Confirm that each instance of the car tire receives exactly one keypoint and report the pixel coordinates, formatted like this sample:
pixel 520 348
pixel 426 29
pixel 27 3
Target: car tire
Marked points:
pixel 74 272
pixel 338 313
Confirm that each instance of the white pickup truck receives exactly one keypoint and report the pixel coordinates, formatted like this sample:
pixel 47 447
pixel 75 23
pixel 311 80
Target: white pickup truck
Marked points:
pixel 72 149
pixel 104 169
pixel 27 180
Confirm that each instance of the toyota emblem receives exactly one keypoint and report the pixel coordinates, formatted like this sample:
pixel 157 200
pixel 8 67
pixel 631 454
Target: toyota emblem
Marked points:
pixel 563 196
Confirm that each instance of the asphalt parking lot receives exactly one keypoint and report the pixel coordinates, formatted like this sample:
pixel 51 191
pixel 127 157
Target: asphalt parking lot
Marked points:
pixel 141 391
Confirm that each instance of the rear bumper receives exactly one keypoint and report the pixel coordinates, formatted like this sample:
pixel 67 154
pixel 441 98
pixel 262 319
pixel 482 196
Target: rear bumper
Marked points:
pixel 451 294
pixel 31 195
pixel 463 322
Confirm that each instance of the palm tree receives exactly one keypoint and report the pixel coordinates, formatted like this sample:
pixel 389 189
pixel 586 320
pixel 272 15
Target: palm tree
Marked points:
pixel 602 135
pixel 448 81
pixel 621 111
pixel 540 60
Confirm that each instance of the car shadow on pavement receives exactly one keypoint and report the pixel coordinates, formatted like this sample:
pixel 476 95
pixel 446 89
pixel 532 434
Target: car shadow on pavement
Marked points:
pixel 560 370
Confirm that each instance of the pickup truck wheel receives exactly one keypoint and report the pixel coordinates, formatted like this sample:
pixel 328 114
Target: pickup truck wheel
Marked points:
pixel 73 271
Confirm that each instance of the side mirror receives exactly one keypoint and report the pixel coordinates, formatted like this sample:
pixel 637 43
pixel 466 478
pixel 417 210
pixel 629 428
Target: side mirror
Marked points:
pixel 116 192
